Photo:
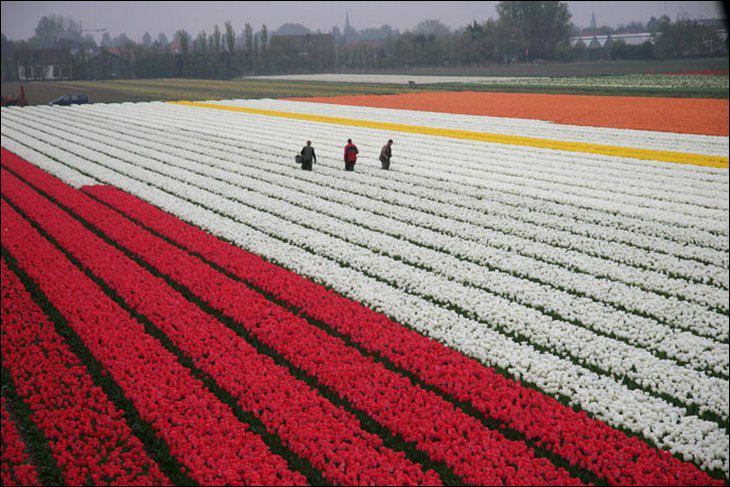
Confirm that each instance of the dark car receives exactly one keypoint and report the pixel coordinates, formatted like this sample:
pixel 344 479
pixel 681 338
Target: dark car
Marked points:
pixel 66 100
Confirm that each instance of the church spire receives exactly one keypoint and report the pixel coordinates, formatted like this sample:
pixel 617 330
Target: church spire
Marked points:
pixel 348 33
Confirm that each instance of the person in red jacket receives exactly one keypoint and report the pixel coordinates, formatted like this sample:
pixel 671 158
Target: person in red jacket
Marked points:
pixel 350 155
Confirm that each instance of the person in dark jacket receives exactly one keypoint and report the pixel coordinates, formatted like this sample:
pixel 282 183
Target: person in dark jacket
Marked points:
pixel 386 154
pixel 350 155
pixel 308 156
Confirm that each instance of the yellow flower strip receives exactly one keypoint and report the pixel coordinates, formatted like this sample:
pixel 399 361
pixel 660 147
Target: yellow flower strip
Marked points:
pixel 608 150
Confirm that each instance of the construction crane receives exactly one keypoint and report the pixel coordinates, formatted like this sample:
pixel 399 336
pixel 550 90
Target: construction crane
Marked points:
pixel 81 28
pixel 92 30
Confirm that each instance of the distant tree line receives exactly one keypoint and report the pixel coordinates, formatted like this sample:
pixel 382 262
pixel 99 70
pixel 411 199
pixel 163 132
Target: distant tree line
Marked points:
pixel 682 38
pixel 521 32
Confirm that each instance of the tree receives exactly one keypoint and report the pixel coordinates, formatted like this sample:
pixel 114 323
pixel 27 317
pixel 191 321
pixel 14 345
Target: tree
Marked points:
pixel 602 30
pixel 630 28
pixel 106 40
pixel 621 50
pixel 216 38
pixel 122 41
pixel 264 46
pixel 264 38
pixel 284 55
pixel 162 39
pixel 147 40
pixel 230 44
pixel 653 24
pixel 248 36
pixel 201 43
pixel 477 43
pixel 9 68
pixel 336 34
pixel 255 54
pixel 470 43
pixel 684 38
pixel 377 34
pixel 230 37
pixel 53 28
pixel 289 29
pixel 533 30
pixel 247 56
pixel 510 39
pixel 183 39
pixel 432 27
pixel 184 42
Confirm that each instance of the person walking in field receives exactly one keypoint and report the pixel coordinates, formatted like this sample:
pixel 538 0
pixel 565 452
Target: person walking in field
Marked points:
pixel 350 155
pixel 308 156
pixel 385 155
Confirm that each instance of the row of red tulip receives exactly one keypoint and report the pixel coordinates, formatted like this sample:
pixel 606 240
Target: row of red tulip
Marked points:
pixel 86 432
pixel 583 441
pixel 213 446
pixel 446 434
pixel 309 424
pixel 15 467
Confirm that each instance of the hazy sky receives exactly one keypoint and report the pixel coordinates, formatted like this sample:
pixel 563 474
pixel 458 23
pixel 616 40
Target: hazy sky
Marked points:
pixel 135 18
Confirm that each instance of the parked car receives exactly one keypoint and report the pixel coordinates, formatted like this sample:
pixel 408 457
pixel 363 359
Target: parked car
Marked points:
pixel 66 100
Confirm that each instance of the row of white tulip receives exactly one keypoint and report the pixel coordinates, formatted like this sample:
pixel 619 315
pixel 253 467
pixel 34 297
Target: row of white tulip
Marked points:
pixel 381 217
pixel 606 355
pixel 714 323
pixel 469 204
pixel 692 143
pixel 423 166
pixel 253 132
pixel 665 425
pixel 641 80
pixel 47 162
pixel 714 273
pixel 648 279
pixel 455 187
pixel 701 353
pixel 471 162
pixel 426 156
pixel 673 311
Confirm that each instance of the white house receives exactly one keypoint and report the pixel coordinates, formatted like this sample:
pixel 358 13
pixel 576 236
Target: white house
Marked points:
pixel 44 64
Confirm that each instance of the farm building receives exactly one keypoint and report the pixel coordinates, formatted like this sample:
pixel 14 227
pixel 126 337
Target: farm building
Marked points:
pixel 590 41
pixel 45 64
pixel 634 39
pixel 594 41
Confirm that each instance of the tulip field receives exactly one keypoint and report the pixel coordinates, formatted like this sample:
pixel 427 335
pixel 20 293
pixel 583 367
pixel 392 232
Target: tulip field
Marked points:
pixel 516 301
pixel 709 81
